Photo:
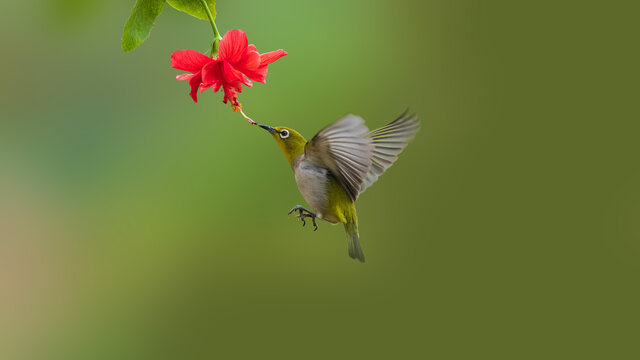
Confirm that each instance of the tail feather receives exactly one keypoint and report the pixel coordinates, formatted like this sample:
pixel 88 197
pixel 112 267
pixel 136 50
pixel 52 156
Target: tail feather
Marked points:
pixel 355 252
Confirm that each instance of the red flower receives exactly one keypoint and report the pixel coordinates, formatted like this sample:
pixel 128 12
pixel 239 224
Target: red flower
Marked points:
pixel 236 63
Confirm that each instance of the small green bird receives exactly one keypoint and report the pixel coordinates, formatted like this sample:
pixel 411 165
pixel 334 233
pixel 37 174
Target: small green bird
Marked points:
pixel 340 163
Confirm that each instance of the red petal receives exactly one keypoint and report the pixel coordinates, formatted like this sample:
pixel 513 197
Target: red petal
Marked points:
pixel 185 76
pixel 195 82
pixel 251 59
pixel 250 63
pixel 259 74
pixel 216 86
pixel 268 58
pixel 231 75
pixel 233 46
pixel 230 94
pixel 211 73
pixel 189 60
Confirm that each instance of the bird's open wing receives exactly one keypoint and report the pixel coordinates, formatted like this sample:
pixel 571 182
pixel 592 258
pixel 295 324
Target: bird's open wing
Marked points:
pixel 345 149
pixel 389 141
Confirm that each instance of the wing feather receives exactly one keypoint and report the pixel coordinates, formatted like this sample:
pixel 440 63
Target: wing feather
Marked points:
pixel 389 141
pixel 345 149
pixel 357 157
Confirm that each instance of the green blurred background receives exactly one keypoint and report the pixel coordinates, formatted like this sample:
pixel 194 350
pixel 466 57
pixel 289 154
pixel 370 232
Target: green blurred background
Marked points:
pixel 135 224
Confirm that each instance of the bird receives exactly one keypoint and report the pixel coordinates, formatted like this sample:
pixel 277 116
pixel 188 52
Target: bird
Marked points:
pixel 339 163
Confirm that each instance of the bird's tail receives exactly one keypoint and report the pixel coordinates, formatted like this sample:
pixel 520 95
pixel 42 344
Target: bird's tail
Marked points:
pixel 351 228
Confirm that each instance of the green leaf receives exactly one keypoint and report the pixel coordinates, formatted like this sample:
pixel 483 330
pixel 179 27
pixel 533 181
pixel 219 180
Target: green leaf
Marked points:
pixel 194 7
pixel 140 22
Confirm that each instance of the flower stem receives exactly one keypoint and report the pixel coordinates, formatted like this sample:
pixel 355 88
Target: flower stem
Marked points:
pixel 216 33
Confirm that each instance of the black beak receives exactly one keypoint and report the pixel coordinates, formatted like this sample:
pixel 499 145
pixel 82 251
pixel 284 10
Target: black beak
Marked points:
pixel 269 128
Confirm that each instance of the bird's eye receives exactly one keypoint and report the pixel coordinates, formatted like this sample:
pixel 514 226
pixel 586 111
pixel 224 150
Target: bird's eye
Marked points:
pixel 284 134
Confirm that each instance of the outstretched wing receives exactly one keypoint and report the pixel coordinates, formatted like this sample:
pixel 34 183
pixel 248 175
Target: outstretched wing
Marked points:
pixel 345 149
pixel 389 141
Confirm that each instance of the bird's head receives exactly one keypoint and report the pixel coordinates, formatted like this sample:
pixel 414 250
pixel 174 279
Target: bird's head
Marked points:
pixel 290 141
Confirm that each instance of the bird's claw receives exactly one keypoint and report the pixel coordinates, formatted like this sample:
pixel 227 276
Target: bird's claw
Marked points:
pixel 301 214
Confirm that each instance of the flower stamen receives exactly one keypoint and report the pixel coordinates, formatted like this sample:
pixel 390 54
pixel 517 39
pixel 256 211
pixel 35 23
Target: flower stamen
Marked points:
pixel 238 108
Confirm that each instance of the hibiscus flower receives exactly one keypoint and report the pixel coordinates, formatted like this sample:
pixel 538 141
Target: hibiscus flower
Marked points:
pixel 237 63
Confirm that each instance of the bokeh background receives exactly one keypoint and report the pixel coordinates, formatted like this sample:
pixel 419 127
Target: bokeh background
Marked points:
pixel 135 224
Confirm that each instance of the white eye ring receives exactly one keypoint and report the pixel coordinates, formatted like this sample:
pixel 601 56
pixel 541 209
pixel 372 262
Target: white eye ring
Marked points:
pixel 284 134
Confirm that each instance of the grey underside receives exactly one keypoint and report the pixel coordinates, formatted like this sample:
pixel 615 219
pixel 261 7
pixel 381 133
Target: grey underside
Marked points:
pixel 313 182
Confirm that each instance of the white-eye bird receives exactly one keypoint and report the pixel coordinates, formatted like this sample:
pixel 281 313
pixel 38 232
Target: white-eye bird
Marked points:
pixel 340 163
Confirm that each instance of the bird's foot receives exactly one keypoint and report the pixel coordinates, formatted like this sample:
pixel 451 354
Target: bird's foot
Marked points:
pixel 304 213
